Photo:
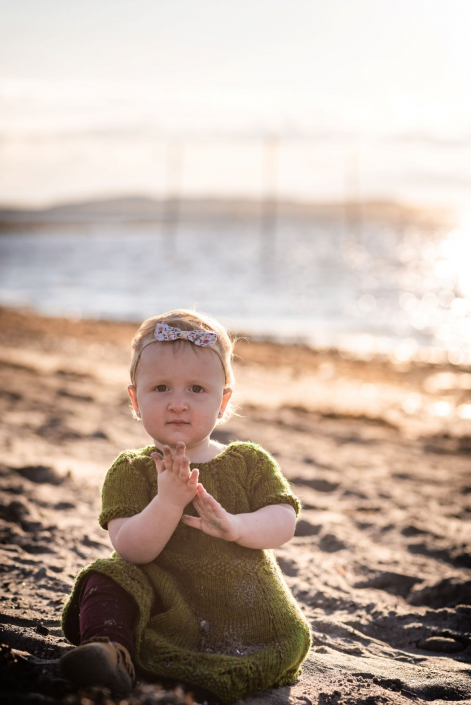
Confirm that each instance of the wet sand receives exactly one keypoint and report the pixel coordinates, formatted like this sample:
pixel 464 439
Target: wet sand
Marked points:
pixel 381 560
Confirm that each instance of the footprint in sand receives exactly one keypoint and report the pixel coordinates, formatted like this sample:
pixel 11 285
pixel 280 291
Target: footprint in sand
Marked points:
pixel 319 484
pixel 14 511
pixel 390 582
pixel 305 528
pixel 448 592
pixel 412 530
pixel 455 555
pixel 40 474
pixel 288 567
pixel 329 543
pixel 36 548
pixel 441 645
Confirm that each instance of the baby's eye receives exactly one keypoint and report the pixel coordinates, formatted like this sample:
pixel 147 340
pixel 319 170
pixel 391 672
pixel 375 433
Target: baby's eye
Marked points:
pixel 161 388
pixel 197 388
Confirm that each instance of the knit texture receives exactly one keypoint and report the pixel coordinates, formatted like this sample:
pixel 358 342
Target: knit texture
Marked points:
pixel 211 613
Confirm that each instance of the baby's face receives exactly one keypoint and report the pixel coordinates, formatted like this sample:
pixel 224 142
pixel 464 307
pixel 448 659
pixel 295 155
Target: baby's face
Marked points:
pixel 179 392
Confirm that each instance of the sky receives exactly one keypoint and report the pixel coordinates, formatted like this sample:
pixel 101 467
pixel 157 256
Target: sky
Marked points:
pixel 92 87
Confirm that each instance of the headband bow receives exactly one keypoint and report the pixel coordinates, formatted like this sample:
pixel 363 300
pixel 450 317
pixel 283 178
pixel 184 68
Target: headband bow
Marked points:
pixel 205 338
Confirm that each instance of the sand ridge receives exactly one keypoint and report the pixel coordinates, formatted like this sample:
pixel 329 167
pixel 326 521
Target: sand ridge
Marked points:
pixel 381 560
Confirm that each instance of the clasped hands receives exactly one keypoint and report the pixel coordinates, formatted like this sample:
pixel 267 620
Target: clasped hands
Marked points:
pixel 178 485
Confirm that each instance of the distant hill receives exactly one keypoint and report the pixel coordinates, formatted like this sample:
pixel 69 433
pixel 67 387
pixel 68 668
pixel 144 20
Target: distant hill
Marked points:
pixel 139 209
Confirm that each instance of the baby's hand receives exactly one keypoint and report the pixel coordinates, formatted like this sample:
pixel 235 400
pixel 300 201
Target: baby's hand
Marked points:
pixel 213 519
pixel 177 484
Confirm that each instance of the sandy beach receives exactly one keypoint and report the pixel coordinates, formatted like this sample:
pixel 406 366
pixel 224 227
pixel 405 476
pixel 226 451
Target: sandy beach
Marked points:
pixel 378 451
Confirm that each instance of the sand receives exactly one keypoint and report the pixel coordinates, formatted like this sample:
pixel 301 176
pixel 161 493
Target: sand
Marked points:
pixel 380 562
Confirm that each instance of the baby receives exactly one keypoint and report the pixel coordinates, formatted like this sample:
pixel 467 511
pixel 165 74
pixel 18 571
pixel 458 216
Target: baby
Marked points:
pixel 192 592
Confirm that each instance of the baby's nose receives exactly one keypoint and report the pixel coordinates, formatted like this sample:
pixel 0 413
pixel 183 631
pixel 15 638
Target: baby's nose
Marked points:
pixel 177 403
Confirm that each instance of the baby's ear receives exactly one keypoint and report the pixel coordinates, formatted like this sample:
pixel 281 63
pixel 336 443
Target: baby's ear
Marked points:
pixel 226 395
pixel 132 391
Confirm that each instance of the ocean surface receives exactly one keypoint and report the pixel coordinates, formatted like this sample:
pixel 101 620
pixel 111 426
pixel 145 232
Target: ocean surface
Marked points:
pixel 397 290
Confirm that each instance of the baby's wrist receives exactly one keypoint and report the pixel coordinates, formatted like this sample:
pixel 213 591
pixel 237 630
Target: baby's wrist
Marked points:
pixel 169 505
pixel 237 528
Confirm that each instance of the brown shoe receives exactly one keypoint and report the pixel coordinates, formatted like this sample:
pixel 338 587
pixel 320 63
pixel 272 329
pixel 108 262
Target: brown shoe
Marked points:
pixel 100 662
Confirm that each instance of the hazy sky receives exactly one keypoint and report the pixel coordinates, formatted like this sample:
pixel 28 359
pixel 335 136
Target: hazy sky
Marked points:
pixel 401 58
pixel 237 67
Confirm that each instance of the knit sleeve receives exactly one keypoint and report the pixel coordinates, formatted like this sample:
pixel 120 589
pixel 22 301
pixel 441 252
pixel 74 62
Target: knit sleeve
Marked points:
pixel 267 484
pixel 125 491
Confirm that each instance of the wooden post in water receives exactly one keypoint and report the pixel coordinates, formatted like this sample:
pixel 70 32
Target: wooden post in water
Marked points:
pixel 352 200
pixel 172 201
pixel 269 206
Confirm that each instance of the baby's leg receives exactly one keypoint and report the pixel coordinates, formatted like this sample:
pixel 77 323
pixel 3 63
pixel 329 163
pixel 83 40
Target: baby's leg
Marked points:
pixel 104 658
pixel 106 609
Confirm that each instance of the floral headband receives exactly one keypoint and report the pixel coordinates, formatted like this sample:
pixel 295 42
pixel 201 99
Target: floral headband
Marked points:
pixel 204 338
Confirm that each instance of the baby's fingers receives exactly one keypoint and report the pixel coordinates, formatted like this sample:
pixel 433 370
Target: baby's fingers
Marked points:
pixel 179 458
pixel 193 479
pixel 208 508
pixel 195 522
pixel 159 463
pixel 207 500
pixel 168 458
pixel 184 470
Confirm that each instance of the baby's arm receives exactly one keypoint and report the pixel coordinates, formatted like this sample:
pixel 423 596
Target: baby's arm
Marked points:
pixel 268 527
pixel 140 538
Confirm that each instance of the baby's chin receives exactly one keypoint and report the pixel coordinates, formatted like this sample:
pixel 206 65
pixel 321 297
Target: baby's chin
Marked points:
pixel 178 436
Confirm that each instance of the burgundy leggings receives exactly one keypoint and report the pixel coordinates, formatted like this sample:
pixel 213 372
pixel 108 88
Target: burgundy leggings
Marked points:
pixel 106 609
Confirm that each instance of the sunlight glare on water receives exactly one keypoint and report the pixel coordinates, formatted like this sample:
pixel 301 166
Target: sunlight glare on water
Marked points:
pixel 456 250
pixel 400 290
pixel 451 270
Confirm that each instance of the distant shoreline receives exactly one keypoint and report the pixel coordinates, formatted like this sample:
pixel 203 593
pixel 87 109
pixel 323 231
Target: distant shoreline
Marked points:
pixel 144 210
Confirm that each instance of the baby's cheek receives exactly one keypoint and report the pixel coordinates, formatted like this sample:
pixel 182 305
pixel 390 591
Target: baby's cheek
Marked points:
pixel 207 411
pixel 207 419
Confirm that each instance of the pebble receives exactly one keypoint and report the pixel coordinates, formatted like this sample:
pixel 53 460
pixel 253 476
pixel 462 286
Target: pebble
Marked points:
pixel 441 644
pixel 41 573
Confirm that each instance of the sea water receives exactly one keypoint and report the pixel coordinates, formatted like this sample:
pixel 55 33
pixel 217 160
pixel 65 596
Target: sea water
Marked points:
pixel 379 288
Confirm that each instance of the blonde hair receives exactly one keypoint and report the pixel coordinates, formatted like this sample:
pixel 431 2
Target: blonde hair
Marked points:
pixel 186 319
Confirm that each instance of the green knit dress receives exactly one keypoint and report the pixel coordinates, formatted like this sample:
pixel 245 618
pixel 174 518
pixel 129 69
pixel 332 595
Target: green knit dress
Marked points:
pixel 211 613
